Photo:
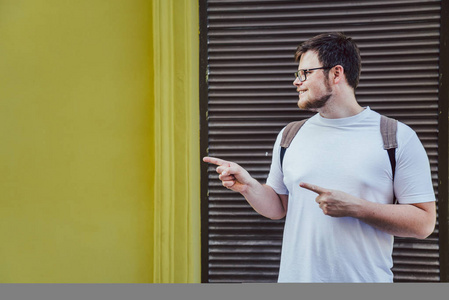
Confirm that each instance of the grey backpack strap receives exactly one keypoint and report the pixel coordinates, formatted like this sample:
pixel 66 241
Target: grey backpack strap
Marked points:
pixel 289 133
pixel 388 129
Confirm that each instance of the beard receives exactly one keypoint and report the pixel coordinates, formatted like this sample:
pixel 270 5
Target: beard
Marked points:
pixel 313 104
pixel 316 103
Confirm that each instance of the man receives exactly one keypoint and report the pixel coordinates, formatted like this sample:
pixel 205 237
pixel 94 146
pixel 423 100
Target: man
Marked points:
pixel 335 185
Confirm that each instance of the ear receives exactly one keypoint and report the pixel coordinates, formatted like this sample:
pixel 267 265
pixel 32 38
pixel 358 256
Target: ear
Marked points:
pixel 337 74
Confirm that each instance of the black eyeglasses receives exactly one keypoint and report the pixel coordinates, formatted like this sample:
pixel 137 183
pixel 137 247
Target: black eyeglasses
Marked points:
pixel 302 74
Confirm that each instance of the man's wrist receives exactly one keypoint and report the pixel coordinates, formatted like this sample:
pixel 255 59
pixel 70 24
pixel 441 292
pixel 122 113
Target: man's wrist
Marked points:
pixel 360 208
pixel 251 187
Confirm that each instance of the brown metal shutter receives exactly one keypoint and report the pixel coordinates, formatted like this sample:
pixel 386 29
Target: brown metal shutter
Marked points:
pixel 251 97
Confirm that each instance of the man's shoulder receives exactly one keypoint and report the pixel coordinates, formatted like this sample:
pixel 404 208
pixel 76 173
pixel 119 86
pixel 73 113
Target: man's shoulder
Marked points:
pixel 404 131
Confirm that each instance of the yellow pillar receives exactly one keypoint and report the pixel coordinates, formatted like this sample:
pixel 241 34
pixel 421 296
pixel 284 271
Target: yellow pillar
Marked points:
pixel 176 121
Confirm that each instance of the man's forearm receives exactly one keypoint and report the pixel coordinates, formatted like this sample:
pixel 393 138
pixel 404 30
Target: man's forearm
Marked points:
pixel 264 200
pixel 403 220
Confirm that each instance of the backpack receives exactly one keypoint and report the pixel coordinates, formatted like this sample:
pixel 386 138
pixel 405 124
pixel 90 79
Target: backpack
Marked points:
pixel 388 129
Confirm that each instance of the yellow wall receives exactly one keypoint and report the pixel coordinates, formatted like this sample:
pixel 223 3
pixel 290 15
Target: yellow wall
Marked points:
pixel 76 141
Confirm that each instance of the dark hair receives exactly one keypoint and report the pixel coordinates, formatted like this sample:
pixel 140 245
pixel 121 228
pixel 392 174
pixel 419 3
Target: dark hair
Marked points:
pixel 335 49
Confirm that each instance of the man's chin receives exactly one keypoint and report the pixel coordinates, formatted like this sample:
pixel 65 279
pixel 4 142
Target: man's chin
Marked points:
pixel 302 104
pixel 306 105
pixel 315 105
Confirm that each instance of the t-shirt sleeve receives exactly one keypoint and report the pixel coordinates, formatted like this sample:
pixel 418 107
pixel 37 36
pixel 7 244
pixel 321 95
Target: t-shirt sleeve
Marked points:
pixel 413 181
pixel 276 177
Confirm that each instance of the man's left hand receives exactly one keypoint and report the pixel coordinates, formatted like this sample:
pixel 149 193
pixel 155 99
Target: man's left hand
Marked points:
pixel 334 203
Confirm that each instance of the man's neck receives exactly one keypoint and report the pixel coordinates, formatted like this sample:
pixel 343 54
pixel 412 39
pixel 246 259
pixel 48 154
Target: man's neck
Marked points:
pixel 341 107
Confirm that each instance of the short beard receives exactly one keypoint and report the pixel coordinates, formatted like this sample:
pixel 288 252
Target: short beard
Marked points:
pixel 318 103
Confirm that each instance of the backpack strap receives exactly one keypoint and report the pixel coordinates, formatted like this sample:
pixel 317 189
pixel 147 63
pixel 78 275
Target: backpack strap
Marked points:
pixel 388 129
pixel 289 133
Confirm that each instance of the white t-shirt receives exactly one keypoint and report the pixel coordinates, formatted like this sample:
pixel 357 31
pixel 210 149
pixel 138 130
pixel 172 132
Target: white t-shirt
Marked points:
pixel 344 154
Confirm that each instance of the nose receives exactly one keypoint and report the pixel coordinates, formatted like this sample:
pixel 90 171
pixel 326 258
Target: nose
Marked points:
pixel 297 82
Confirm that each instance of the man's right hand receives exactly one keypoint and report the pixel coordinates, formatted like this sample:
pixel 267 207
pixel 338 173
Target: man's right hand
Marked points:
pixel 232 176
pixel 262 198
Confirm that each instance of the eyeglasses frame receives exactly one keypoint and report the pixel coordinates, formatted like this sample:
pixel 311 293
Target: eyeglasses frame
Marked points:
pixel 308 70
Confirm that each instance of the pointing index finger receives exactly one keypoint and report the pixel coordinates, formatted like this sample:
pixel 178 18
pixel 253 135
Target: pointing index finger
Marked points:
pixel 313 188
pixel 215 161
